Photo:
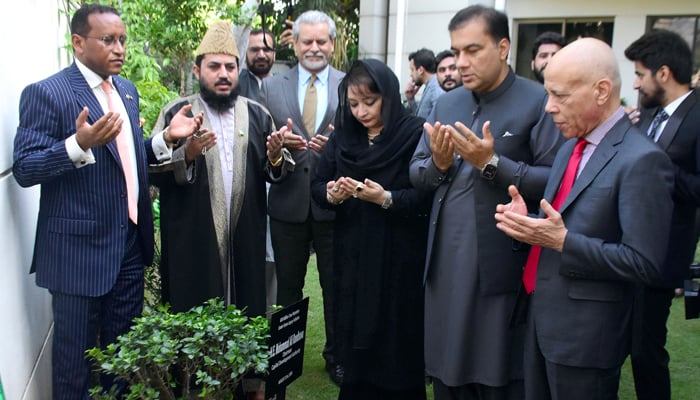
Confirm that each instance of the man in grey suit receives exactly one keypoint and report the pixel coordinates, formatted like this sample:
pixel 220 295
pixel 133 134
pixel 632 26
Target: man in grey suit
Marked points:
pixel 603 228
pixel 473 347
pixel 304 100
pixel 663 65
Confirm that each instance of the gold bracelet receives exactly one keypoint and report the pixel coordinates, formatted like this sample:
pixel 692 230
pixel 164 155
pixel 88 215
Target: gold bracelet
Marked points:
pixel 277 162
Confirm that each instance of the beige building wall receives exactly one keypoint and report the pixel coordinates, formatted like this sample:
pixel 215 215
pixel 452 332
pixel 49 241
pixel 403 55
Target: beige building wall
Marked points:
pixel 426 25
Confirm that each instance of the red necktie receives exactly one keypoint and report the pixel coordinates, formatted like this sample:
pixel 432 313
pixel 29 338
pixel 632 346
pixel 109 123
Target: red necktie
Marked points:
pixel 127 165
pixel 567 182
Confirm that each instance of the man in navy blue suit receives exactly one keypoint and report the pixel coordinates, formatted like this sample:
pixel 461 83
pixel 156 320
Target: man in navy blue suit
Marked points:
pixel 79 138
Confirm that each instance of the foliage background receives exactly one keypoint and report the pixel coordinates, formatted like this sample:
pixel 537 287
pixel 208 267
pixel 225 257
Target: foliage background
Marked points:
pixel 164 34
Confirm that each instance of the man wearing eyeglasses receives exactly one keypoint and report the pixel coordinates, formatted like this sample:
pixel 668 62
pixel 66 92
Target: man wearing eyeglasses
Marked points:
pixel 79 138
pixel 259 58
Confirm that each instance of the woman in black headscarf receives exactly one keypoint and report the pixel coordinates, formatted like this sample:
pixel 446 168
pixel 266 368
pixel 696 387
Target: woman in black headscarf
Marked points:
pixel 380 237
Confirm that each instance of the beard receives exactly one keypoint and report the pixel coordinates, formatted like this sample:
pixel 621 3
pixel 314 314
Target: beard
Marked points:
pixel 539 74
pixel 314 65
pixel 446 87
pixel 259 67
pixel 218 101
pixel 652 99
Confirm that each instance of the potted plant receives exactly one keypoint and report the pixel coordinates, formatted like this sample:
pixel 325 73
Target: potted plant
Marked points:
pixel 211 347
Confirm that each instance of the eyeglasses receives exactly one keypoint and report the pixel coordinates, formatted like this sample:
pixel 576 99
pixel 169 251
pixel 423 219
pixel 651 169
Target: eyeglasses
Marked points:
pixel 108 40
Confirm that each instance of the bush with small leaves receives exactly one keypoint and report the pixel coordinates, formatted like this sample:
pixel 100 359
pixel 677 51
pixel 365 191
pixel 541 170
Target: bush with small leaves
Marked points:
pixel 210 348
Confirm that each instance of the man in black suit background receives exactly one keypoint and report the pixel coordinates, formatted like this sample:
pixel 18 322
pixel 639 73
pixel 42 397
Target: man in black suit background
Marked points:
pixel 604 226
pixel 663 68
pixel 259 58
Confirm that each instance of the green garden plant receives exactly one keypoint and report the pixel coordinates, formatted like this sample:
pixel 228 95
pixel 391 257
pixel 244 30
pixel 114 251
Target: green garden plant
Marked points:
pixel 210 348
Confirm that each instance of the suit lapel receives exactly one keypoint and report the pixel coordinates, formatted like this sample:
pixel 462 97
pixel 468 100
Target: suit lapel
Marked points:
pixel 86 98
pixel 604 152
pixel 291 83
pixel 333 82
pixel 130 104
pixel 132 110
pixel 671 128
pixel 558 169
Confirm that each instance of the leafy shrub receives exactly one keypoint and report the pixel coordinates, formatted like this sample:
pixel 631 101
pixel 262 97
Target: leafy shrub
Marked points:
pixel 210 347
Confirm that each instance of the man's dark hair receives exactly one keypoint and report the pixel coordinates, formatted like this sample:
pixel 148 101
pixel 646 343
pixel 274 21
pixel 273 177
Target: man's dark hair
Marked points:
pixel 662 47
pixel 548 37
pixel 423 58
pixel 272 45
pixel 79 24
pixel 496 21
pixel 443 55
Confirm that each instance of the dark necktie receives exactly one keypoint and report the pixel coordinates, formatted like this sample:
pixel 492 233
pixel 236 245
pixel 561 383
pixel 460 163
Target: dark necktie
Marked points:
pixel 567 182
pixel 660 117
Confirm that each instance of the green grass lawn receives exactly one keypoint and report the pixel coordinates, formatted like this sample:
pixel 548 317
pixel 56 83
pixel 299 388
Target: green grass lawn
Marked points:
pixel 683 345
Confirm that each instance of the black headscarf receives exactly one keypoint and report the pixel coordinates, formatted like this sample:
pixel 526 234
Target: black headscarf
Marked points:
pixel 385 162
pixel 400 133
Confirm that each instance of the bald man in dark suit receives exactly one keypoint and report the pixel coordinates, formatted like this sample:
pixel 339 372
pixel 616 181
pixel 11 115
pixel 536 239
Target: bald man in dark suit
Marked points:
pixel 603 229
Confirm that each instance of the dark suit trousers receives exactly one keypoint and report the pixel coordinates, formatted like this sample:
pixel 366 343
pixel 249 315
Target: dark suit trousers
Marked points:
pixel 79 320
pixel 652 380
pixel 476 391
pixel 291 243
pixel 545 379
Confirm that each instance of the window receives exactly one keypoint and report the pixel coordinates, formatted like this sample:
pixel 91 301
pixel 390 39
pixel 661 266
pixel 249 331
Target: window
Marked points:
pixel 570 28
pixel 686 26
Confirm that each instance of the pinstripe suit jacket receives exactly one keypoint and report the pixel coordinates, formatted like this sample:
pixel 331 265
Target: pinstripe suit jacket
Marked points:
pixel 83 212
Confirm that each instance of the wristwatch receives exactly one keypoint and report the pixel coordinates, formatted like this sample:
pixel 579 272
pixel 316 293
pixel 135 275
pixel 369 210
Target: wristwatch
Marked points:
pixel 488 171
pixel 387 201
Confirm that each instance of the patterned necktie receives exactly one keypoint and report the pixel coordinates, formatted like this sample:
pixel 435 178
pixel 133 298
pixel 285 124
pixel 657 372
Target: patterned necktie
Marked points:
pixel 309 113
pixel 567 182
pixel 127 165
pixel 660 117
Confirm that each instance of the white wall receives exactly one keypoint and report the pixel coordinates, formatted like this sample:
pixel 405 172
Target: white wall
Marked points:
pixel 629 17
pixel 30 53
pixel 426 25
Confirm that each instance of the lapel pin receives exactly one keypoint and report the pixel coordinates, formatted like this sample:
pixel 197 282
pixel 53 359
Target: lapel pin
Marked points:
pixel 129 97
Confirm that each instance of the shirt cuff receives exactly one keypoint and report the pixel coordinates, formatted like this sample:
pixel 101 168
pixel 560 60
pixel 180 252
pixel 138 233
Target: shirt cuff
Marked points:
pixel 79 156
pixel 162 151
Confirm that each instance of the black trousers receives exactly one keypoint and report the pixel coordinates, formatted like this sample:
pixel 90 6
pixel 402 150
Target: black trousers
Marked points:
pixel 652 379
pixel 475 391
pixel 292 244
pixel 366 391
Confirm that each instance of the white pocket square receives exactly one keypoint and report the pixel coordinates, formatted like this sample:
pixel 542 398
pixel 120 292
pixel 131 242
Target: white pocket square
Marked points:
pixel 507 134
